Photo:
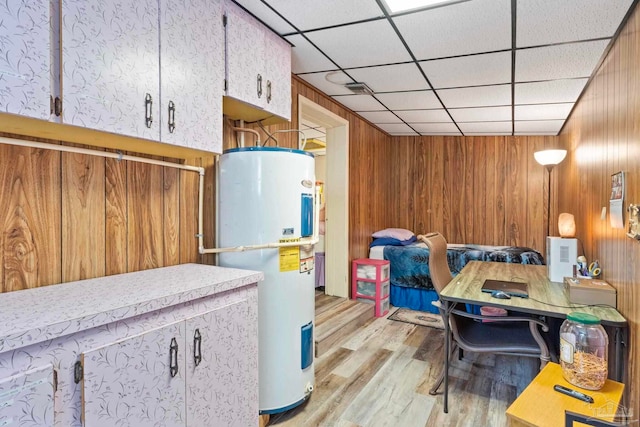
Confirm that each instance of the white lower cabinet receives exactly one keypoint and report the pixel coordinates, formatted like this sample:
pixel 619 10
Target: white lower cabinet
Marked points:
pixel 189 373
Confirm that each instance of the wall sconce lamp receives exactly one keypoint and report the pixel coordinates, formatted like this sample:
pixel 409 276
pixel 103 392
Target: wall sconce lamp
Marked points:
pixel 549 159
pixel 566 225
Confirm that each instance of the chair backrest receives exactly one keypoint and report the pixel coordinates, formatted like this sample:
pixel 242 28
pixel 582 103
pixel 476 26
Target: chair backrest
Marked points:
pixel 438 265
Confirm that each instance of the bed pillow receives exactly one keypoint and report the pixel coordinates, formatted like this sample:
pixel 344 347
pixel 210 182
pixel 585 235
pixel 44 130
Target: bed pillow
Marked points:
pixel 394 233
pixel 390 241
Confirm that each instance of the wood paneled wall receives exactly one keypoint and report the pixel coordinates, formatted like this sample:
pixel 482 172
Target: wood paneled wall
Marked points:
pixel 67 217
pixel 603 137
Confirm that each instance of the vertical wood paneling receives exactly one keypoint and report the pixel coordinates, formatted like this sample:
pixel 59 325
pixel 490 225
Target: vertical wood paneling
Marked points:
pixel 189 215
pixel 30 217
pixel 603 134
pixel 83 217
pixel 116 249
pixel 171 216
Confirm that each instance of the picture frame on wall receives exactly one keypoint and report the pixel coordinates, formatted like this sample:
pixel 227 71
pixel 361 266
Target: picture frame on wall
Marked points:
pixel 617 186
pixel 616 214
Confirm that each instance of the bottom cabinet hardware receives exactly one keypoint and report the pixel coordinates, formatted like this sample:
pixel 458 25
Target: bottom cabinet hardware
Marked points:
pixel 197 347
pixel 173 358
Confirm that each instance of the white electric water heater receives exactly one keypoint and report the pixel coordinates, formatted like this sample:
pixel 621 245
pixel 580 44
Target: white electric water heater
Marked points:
pixel 266 196
pixel 561 257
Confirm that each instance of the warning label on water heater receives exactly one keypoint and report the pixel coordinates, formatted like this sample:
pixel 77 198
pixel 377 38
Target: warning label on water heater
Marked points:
pixel 289 256
pixel 306 258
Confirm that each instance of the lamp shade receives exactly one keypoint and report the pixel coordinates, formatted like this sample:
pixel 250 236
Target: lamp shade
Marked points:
pixel 566 225
pixel 550 157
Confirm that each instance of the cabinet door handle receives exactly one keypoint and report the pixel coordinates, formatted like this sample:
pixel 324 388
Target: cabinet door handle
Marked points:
pixel 259 85
pixel 57 106
pixel 148 105
pixel 197 349
pixel 173 358
pixel 172 116
pixel 268 91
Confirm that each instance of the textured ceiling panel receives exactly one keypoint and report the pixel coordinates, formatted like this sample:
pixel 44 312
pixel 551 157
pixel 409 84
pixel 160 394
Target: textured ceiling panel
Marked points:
pixel 558 62
pixel 459 29
pixel 486 127
pixel 483 96
pixel 488 114
pixel 385 79
pixel 379 117
pixel 331 12
pixel 493 68
pixel 543 22
pixel 306 58
pixel 435 127
pixel 424 116
pixel 369 43
pixel 539 126
pixel 549 91
pixel 266 15
pixel 419 100
pixel 396 128
pixel 359 102
pixel 323 81
pixel 543 112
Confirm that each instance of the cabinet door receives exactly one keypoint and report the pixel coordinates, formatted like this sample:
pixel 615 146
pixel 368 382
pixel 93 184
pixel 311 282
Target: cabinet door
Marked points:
pixel 222 387
pixel 192 73
pixel 130 382
pixel 278 72
pixel 245 73
pixel 25 61
pixel 110 66
pixel 26 399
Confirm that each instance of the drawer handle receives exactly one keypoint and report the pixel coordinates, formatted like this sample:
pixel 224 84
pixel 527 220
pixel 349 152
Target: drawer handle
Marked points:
pixel 173 358
pixel 148 105
pixel 268 91
pixel 197 350
pixel 259 85
pixel 172 116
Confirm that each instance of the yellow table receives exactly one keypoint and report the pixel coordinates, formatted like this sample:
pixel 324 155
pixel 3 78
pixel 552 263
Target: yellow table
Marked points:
pixel 540 405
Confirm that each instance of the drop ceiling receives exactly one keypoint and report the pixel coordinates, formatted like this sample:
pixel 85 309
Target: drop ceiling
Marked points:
pixel 475 67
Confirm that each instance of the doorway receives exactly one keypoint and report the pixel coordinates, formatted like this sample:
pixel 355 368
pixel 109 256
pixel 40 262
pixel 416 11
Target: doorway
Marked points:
pixel 336 192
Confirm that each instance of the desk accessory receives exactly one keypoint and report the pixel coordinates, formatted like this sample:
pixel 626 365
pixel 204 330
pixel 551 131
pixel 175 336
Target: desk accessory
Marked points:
pixel 590 291
pixel 573 393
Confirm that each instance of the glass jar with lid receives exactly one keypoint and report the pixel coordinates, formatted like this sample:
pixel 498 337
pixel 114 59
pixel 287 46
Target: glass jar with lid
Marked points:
pixel 583 351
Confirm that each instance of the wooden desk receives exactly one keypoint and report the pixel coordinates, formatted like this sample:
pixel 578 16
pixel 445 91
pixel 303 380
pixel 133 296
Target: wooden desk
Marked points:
pixel 545 299
pixel 539 405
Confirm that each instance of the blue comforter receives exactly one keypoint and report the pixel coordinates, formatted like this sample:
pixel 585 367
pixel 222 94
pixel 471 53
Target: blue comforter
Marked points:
pixel 410 264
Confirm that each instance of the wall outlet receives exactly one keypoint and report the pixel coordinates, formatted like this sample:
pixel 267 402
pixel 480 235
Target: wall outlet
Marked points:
pixel 603 214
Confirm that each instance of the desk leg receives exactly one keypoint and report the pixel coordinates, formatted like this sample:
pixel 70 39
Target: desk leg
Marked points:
pixel 447 346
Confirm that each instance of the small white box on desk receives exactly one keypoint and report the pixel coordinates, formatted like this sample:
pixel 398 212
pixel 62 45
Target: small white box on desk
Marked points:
pixel 561 257
pixel 590 291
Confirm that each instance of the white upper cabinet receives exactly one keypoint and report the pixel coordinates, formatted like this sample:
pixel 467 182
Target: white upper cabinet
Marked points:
pixel 192 73
pixel 110 66
pixel 25 58
pixel 258 64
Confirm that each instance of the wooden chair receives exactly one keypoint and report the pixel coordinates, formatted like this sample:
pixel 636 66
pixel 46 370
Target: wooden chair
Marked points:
pixel 511 335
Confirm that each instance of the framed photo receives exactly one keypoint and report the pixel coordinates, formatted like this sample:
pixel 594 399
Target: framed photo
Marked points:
pixel 617 186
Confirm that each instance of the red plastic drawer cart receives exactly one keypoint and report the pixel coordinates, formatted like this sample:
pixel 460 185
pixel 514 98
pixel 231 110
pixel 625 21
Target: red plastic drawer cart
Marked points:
pixel 370 283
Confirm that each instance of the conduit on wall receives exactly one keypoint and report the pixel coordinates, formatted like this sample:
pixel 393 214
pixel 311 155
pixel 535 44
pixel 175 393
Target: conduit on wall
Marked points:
pixel 200 170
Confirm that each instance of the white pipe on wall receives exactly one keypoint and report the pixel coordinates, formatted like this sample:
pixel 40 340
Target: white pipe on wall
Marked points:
pixel 200 170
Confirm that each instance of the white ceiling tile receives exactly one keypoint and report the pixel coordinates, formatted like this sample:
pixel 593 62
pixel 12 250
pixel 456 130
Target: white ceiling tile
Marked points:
pixel 418 100
pixel 358 45
pixel 435 127
pixel 543 111
pixel 359 102
pixel 404 134
pixel 305 58
pixel 482 96
pixel 551 21
pixel 558 62
pixel 395 128
pixel 266 15
pixel 328 82
pixel 386 78
pixel 307 15
pixel 474 70
pixel 488 114
pixel 566 90
pixel 486 127
pixel 540 126
pixel 424 116
pixel 440 133
pixel 487 133
pixel 379 117
pixel 462 28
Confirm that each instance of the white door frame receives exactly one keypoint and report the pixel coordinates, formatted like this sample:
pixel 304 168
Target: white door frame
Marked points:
pixel 336 194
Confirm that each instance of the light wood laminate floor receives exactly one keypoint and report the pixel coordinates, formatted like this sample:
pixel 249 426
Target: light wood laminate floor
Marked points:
pixel 381 375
